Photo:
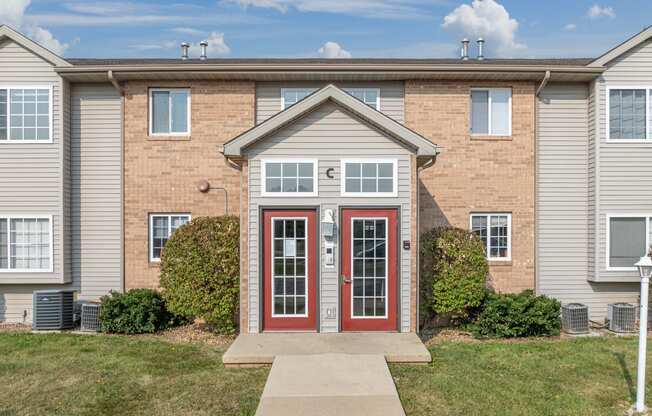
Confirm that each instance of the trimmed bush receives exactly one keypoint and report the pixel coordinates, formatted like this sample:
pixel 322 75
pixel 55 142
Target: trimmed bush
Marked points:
pixel 453 272
pixel 200 271
pixel 135 312
pixel 518 315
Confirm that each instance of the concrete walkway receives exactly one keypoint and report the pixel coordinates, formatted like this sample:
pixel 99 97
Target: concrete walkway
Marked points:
pixel 328 385
pixel 262 348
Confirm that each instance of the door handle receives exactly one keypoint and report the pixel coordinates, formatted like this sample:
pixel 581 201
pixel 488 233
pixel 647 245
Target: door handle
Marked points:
pixel 345 280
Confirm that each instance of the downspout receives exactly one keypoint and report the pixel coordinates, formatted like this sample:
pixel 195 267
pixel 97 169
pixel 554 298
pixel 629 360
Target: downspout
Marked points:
pixel 120 90
pixel 417 238
pixel 542 85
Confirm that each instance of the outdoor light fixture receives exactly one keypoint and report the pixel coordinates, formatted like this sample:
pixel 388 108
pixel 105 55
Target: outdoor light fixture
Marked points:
pixel 644 266
pixel 328 223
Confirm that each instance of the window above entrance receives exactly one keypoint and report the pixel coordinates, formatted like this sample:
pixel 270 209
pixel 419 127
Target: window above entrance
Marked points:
pixel 369 178
pixel 289 177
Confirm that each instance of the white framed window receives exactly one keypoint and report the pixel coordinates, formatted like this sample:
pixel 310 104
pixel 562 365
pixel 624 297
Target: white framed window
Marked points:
pixel 495 231
pixel 26 114
pixel 629 114
pixel 289 177
pixel 169 111
pixel 491 111
pixel 369 177
pixel 369 96
pixel 161 227
pixel 26 244
pixel 628 239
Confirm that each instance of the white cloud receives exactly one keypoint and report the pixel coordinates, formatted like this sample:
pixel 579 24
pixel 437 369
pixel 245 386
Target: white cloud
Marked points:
pixel 487 19
pixel 154 46
pixel 332 50
pixel 102 7
pixel 216 46
pixel 383 9
pixel 188 31
pixel 570 26
pixel 12 12
pixel 596 11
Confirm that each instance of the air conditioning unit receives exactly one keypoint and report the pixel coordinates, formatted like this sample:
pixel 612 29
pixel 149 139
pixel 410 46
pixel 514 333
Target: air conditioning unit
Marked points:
pixel 90 317
pixel 621 317
pixel 575 318
pixel 53 309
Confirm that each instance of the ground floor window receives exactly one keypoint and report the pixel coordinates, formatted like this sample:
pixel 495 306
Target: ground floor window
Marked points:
pixel 628 239
pixel 26 244
pixel 495 231
pixel 161 227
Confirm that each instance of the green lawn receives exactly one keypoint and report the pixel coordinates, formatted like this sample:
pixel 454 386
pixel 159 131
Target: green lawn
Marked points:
pixel 100 375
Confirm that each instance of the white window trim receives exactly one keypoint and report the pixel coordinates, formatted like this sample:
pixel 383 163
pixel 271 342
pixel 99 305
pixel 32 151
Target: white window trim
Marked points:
pixel 487 215
pixel 312 90
pixel 377 90
pixel 489 126
pixel 263 178
pixel 392 194
pixel 50 88
pixel 151 113
pixel 153 259
pixel 304 315
pixel 50 269
pixel 648 221
pixel 387 242
pixel 297 89
pixel 648 127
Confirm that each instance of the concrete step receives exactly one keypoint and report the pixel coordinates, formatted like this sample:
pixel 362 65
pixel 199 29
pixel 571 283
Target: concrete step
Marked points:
pixel 330 384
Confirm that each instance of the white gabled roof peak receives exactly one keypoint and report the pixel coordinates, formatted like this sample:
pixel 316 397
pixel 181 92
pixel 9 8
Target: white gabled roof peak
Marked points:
pixel 10 33
pixel 622 48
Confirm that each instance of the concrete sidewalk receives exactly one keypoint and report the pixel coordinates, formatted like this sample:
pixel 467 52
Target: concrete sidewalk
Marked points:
pixel 330 384
pixel 254 349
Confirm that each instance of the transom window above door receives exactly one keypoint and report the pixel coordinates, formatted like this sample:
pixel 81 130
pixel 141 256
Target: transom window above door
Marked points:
pixel 169 111
pixel 629 115
pixel 25 114
pixel 369 178
pixel 289 177
pixel 369 96
pixel 161 227
pixel 495 231
pixel 491 111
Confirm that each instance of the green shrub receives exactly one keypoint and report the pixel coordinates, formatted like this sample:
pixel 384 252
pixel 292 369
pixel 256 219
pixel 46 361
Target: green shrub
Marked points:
pixel 453 272
pixel 200 271
pixel 135 312
pixel 518 315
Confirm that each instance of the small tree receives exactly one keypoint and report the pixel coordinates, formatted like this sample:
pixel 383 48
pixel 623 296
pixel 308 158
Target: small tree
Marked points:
pixel 200 271
pixel 453 272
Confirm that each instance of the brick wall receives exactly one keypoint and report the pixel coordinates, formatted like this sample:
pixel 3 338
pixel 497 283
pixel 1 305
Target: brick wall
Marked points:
pixel 161 174
pixel 478 174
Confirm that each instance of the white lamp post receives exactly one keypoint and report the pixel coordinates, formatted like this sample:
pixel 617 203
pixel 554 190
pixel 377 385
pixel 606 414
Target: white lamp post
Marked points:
pixel 645 270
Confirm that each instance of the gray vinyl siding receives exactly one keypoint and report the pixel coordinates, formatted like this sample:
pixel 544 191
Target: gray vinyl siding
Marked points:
pixel 268 96
pixel 32 174
pixel 96 189
pixel 328 134
pixel 32 181
pixel 564 202
pixel 624 176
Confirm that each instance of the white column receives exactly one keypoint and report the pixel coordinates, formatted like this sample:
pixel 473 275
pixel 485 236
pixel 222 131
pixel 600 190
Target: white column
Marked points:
pixel 642 347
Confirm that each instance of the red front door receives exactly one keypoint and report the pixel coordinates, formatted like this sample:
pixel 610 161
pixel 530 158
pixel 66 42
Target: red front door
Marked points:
pixel 369 257
pixel 290 270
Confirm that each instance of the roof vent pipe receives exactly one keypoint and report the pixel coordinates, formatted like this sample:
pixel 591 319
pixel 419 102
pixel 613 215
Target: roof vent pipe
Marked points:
pixel 204 45
pixel 465 49
pixel 480 49
pixel 184 50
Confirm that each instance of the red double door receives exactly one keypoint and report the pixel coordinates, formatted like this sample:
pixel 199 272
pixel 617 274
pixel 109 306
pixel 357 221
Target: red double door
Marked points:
pixel 368 254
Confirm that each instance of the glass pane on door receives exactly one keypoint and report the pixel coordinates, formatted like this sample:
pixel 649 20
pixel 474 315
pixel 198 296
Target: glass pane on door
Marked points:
pixel 289 259
pixel 369 271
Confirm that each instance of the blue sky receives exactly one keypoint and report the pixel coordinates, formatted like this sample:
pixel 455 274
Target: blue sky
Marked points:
pixel 328 28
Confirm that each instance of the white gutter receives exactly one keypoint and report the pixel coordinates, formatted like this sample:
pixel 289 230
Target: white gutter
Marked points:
pixel 544 82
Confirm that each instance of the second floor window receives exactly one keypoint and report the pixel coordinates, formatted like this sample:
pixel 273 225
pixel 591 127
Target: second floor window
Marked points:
pixel 628 113
pixel 25 114
pixel 369 96
pixel 369 178
pixel 289 177
pixel 495 231
pixel 169 112
pixel 491 111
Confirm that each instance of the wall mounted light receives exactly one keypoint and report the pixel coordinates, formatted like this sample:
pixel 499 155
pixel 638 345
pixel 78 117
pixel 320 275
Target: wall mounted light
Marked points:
pixel 328 223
